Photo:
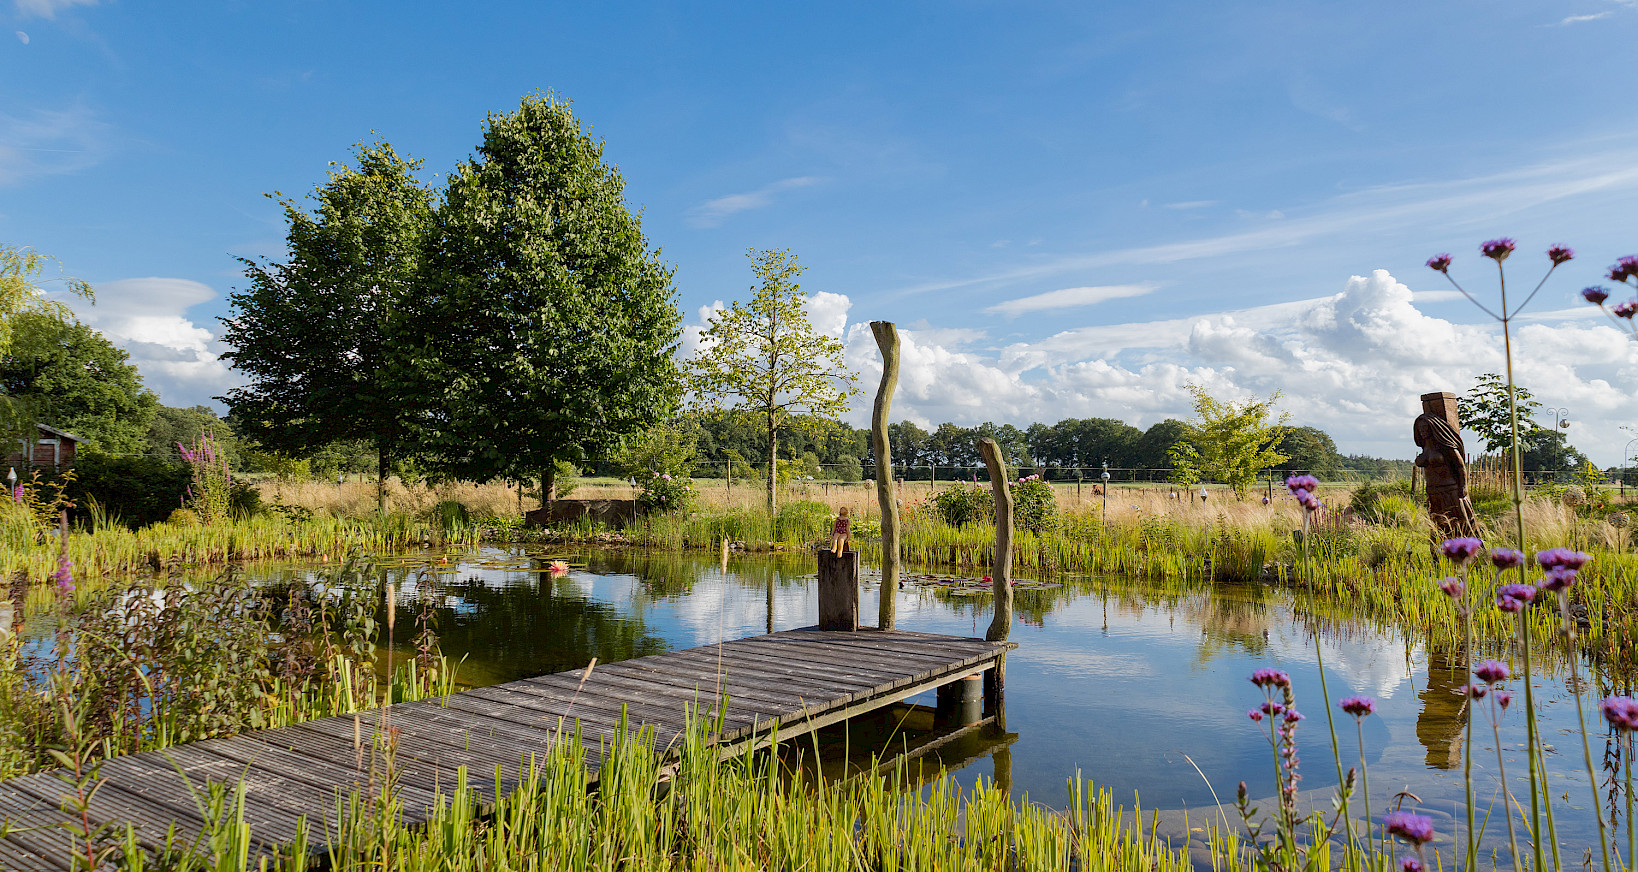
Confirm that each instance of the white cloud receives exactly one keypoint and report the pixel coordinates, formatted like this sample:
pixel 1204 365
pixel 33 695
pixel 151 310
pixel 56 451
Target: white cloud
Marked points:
pixel 1352 363
pixel 178 359
pixel 1192 204
pixel 1068 298
pixel 1577 19
pixel 827 312
pixel 48 8
pixel 713 212
pixel 50 143
pixel 21 37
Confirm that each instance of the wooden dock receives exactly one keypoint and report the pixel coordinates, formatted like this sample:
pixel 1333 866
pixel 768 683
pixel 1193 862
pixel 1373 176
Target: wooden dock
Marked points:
pixel 800 680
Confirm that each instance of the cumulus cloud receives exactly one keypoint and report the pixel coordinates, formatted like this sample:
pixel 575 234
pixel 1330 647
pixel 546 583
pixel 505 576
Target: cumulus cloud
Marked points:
pixel 179 360
pixel 713 212
pixel 1352 363
pixel 1068 298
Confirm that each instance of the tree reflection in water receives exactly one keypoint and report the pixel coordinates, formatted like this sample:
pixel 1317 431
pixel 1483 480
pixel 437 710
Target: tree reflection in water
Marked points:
pixel 1444 711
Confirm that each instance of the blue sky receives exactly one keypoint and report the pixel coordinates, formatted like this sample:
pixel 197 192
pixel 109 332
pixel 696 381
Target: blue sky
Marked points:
pixel 1071 209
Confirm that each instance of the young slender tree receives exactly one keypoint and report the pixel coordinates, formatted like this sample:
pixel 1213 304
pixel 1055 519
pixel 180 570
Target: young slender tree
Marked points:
pixel 547 325
pixel 22 293
pixel 318 335
pixel 764 359
pixel 1230 442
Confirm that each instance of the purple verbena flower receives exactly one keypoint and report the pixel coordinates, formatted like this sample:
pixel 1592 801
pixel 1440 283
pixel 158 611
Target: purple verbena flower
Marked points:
pixel 1506 558
pixel 1504 698
pixel 1625 268
pixel 1562 558
pixel 1413 828
pixel 1453 587
pixel 1270 678
pixel 1626 310
pixel 1358 706
pixel 1492 671
pixel 1273 708
pixel 1308 501
pixel 1292 716
pixel 1255 715
pixel 1462 549
pixel 1514 597
pixel 1302 482
pixel 1621 712
pixel 1410 864
pixel 1557 579
pixel 1498 249
pixel 1595 295
pixel 1439 263
pixel 1477 690
pixel 1560 254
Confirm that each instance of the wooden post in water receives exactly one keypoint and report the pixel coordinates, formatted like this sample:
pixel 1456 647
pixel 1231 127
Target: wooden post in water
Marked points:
pixel 1001 573
pixel 838 590
pixel 887 339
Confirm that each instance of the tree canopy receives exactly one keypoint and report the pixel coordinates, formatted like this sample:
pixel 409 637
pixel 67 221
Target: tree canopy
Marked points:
pixel 547 324
pixel 22 293
pixel 317 334
pixel 764 359
pixel 1231 442
pixel 71 377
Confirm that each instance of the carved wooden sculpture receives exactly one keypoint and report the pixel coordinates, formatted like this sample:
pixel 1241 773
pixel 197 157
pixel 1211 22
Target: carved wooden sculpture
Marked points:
pixel 1438 432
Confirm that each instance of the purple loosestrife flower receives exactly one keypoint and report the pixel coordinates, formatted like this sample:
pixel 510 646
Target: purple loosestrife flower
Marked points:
pixel 1560 254
pixel 1462 549
pixel 1453 587
pixel 1506 558
pixel 64 576
pixel 1562 558
pixel 1413 828
pixel 1270 678
pixel 1595 295
pixel 1621 712
pixel 1492 671
pixel 1557 579
pixel 1302 482
pixel 1358 706
pixel 1439 263
pixel 17 494
pixel 1498 249
pixel 1626 310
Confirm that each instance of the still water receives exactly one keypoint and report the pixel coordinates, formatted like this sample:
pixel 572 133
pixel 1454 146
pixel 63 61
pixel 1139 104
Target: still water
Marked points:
pixel 1142 690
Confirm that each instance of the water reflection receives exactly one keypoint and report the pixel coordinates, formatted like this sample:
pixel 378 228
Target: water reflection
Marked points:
pixel 1444 711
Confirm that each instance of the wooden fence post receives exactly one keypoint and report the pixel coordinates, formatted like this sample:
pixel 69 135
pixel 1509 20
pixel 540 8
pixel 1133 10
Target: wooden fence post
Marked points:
pixel 838 590
pixel 887 339
pixel 1001 573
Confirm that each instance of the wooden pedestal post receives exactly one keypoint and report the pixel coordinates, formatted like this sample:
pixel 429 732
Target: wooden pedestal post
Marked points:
pixel 838 590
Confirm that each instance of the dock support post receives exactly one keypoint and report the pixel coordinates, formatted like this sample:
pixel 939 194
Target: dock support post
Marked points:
pixel 995 692
pixel 838 590
pixel 960 703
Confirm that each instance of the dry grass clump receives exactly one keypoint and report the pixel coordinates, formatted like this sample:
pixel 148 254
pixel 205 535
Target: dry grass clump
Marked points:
pixel 358 498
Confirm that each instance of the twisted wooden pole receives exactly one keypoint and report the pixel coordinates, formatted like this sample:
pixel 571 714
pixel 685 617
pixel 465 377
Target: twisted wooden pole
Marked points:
pixel 887 339
pixel 1001 573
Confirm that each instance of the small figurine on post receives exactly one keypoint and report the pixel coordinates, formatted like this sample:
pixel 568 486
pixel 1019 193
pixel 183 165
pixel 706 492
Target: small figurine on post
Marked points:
pixel 840 534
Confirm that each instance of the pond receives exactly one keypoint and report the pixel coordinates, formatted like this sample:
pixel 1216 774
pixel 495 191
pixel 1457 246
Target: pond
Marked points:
pixel 1141 688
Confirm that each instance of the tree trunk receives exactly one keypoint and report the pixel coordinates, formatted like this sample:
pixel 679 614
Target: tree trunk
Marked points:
pixel 773 467
pixel 381 467
pixel 1001 574
pixel 548 481
pixel 887 339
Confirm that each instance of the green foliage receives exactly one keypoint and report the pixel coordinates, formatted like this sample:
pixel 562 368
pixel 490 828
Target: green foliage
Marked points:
pixel 1389 503
pixel 763 359
pixel 72 378
pixel 848 469
pixel 210 480
pixel 668 447
pixel 663 492
pixel 172 428
pixel 1231 442
pixel 317 335
pixel 962 504
pixel 1311 450
pixel 21 292
pixel 1485 411
pixel 136 490
pixel 804 521
pixel 547 325
pixel 1034 505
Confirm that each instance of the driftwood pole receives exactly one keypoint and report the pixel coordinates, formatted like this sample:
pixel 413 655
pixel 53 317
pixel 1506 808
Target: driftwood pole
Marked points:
pixel 1001 574
pixel 887 339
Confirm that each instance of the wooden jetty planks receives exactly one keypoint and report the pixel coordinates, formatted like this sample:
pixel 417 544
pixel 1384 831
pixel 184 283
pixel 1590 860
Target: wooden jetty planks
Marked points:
pixel 798 679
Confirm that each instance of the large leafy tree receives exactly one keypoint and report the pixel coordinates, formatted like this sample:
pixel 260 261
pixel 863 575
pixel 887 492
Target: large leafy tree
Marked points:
pixel 1230 442
pixel 318 335
pixel 22 292
pixel 73 378
pixel 764 359
pixel 548 325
